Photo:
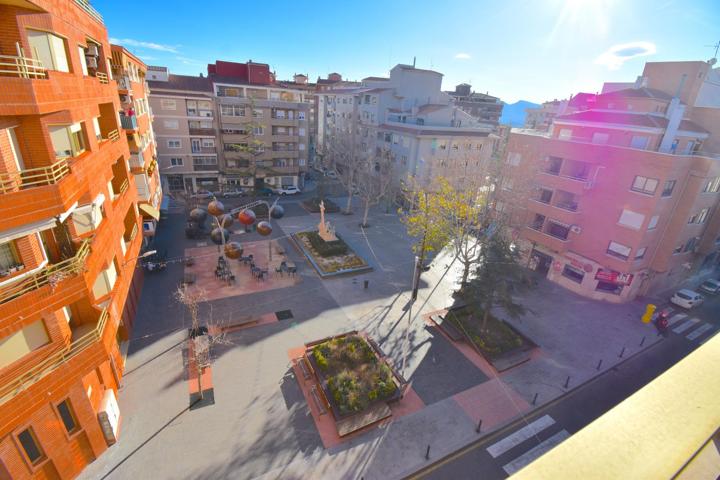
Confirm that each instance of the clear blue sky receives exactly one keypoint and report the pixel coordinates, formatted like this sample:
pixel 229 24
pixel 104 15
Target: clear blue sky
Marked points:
pixel 516 49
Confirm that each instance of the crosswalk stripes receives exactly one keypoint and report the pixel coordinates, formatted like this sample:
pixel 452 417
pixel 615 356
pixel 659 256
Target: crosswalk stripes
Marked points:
pixel 686 326
pixel 676 318
pixel 535 452
pixel 699 331
pixel 519 436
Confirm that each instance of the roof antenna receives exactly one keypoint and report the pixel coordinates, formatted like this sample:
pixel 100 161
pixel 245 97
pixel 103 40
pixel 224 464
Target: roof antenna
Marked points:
pixel 716 47
pixel 413 62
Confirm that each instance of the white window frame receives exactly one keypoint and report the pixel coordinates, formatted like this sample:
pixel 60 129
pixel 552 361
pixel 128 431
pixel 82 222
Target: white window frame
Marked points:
pixel 631 219
pixel 173 140
pixel 168 104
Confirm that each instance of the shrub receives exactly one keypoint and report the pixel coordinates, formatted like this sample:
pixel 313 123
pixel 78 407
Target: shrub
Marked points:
pixel 320 359
pixel 326 249
pixel 372 394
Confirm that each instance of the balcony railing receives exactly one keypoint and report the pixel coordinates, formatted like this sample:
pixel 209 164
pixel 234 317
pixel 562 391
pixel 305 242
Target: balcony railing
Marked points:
pixel 129 237
pixel 202 131
pixel 102 77
pixel 50 275
pixel 114 135
pixel 124 186
pixel 24 378
pixel 23 67
pixel 205 168
pixel 137 160
pixel 128 122
pixel 85 5
pixel 34 177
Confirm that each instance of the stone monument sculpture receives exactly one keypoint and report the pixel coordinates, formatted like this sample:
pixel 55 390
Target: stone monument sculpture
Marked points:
pixel 325 230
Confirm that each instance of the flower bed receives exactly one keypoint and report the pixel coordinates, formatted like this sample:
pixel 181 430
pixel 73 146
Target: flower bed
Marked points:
pixel 325 261
pixel 352 374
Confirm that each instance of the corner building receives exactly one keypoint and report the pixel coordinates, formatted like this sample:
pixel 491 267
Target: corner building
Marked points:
pixel 69 237
pixel 620 198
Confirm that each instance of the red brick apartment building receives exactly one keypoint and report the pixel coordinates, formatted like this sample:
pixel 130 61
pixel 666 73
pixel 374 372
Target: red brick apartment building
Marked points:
pixel 620 198
pixel 70 233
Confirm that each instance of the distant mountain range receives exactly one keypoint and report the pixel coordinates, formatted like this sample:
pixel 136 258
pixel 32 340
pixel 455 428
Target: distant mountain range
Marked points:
pixel 514 113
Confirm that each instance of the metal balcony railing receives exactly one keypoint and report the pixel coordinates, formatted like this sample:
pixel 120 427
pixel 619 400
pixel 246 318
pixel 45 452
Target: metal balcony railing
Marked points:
pixel 34 177
pixel 85 5
pixel 20 66
pixel 24 378
pixel 50 275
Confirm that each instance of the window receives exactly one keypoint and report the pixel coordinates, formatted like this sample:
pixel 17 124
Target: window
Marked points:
pixel 49 49
pixel 712 185
pixel 232 110
pixel 208 142
pixel 171 124
pixel 691 244
pixel 565 134
pixel 30 445
pixel 301 116
pixel 455 146
pixel 640 253
pixel 83 62
pixel 699 217
pixel 257 113
pixel 67 416
pixel 644 185
pixel 618 250
pixel 68 141
pixel 174 143
pixel 545 195
pixel 176 161
pixel 558 230
pixel 574 274
pixel 166 104
pixel 258 131
pixel 600 138
pixel 639 141
pixel 478 146
pixel 20 343
pixel 631 219
pixel 653 222
pixel 8 257
pixel 668 188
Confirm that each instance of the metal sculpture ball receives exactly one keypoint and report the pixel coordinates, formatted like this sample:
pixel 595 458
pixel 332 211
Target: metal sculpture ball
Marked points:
pixel 198 215
pixel 216 235
pixel 226 220
pixel 277 212
pixel 264 228
pixel 247 217
pixel 216 208
pixel 233 250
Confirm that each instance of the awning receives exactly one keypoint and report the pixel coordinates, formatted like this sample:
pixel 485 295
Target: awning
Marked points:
pixel 27 229
pixel 150 210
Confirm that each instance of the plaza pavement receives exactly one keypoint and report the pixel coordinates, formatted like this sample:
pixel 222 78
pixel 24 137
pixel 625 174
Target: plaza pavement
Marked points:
pixel 260 426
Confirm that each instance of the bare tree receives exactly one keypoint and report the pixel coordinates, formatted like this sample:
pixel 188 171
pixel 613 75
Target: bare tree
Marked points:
pixel 203 336
pixel 374 179
pixel 347 160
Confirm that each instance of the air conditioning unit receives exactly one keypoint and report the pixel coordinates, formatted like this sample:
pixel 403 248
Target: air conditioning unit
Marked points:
pixel 575 229
pixel 91 62
pixel 92 50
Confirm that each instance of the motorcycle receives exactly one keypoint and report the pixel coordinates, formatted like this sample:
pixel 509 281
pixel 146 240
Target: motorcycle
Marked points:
pixel 661 324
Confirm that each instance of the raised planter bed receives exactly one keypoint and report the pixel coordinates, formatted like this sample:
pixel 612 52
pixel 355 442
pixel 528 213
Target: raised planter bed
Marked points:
pixel 353 376
pixel 330 265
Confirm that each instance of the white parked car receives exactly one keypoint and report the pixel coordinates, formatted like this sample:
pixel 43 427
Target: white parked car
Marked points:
pixel 710 286
pixel 291 190
pixel 331 174
pixel 687 298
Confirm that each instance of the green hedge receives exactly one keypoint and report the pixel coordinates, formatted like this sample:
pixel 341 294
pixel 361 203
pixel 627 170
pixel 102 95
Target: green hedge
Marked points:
pixel 327 249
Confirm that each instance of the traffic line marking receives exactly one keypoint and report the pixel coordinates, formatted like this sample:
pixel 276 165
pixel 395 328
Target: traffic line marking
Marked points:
pixel 542 448
pixel 520 436
pixel 686 326
pixel 676 318
pixel 698 331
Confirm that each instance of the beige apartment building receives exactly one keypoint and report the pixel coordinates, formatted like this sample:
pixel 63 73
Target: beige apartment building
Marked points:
pixel 621 198
pixel 185 128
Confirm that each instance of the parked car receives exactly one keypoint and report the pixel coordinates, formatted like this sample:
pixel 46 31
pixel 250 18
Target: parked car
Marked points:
pixel 202 194
pixel 263 192
pixel 238 192
pixel 291 190
pixel 331 174
pixel 710 286
pixel 687 298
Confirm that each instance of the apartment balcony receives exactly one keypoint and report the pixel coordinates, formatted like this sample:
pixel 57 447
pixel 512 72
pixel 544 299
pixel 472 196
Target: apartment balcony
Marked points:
pixel 205 168
pixel 284 122
pixel 85 5
pixel 124 84
pixel 535 233
pixel 137 161
pixel 556 181
pixel 202 131
pixel 284 137
pixel 204 150
pixel 47 286
pixel 294 170
pixel 129 122
pixel 87 348
pixel 284 153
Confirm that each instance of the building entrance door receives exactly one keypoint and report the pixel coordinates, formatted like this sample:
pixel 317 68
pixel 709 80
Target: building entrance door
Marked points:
pixel 540 262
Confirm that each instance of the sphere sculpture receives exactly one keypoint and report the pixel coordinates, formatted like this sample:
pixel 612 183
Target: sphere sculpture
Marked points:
pixel 233 250
pixel 198 215
pixel 247 217
pixel 277 212
pixel 216 235
pixel 226 220
pixel 264 228
pixel 216 208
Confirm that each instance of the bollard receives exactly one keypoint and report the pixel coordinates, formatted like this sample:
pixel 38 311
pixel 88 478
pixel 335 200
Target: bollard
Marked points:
pixel 599 364
pixel 622 352
pixel 642 341
pixel 535 399
pixel 567 381
pixel 477 430
pixel 427 453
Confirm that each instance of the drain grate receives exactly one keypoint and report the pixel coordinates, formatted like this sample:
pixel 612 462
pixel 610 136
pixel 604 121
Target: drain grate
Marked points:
pixel 284 315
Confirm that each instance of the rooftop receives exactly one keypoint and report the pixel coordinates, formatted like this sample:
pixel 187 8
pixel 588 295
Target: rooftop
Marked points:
pixel 627 118
pixel 183 82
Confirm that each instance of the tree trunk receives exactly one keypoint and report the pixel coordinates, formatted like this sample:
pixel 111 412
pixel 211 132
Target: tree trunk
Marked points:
pixel 199 376
pixel 348 206
pixel 367 211
pixel 486 315
pixel 466 273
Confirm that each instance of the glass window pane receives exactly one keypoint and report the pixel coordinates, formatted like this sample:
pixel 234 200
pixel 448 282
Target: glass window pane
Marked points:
pixel 32 449
pixel 67 416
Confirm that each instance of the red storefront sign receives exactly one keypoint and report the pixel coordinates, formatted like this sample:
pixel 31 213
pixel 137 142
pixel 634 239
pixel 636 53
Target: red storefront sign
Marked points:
pixel 611 276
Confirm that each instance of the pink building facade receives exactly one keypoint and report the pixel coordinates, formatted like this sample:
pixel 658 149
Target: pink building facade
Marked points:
pixel 621 199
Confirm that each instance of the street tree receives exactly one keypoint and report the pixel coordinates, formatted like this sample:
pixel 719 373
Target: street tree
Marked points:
pixel 373 180
pixel 344 157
